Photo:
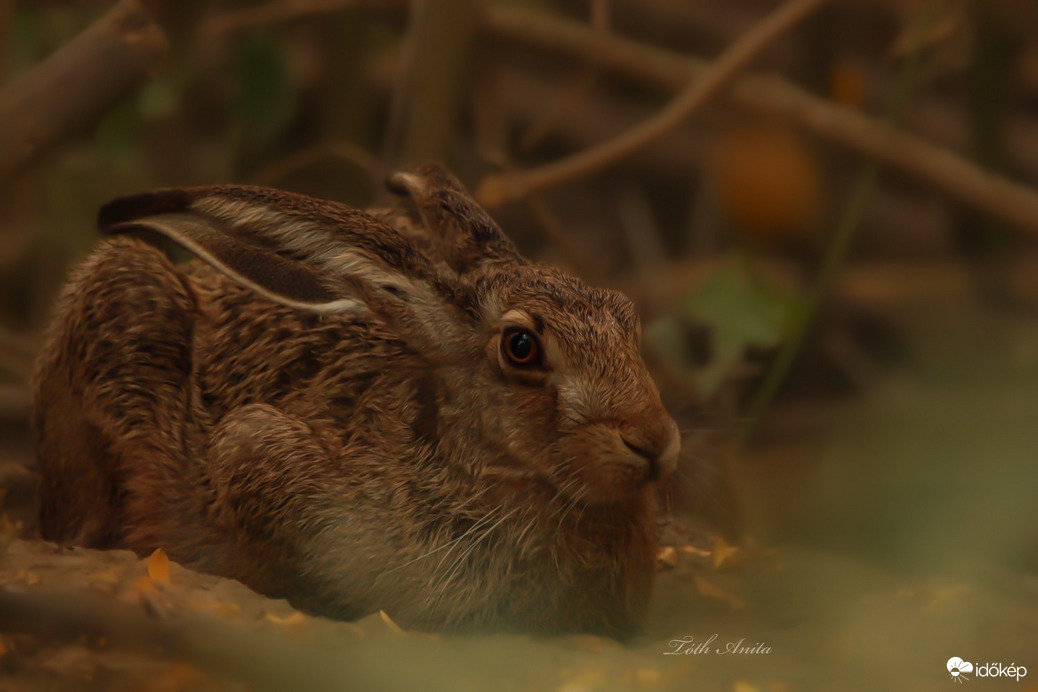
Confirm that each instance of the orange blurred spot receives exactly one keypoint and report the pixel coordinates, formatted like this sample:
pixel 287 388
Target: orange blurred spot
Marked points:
pixel 847 85
pixel 769 184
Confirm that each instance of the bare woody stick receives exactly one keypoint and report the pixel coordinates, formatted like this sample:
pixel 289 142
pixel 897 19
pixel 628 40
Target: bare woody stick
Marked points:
pixel 74 87
pixel 507 187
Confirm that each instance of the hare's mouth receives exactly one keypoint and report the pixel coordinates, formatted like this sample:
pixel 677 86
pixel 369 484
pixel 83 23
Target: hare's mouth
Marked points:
pixel 608 466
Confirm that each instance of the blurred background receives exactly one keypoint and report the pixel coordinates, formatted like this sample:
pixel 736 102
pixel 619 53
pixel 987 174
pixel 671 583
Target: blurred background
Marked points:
pixel 835 257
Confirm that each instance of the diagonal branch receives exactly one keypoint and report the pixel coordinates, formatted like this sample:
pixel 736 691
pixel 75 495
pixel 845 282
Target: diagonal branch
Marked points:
pixel 935 166
pixel 507 187
pixel 71 89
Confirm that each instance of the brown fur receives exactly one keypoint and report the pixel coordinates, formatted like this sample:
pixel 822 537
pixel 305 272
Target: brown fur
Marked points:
pixel 381 455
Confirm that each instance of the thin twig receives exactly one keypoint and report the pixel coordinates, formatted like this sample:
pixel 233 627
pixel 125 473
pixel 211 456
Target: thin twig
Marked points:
pixel 833 261
pixel 503 188
pixel 936 166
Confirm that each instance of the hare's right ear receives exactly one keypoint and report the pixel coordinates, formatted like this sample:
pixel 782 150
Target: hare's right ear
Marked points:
pixel 466 235
pixel 164 219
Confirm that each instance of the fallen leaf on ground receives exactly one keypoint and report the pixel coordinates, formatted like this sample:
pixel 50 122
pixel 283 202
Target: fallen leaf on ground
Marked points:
pixel 393 627
pixel 144 585
pixel 726 555
pixel 667 557
pixel 158 566
pixel 696 550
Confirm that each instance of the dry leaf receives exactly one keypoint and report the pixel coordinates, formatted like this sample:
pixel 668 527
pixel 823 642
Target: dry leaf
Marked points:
pixel 32 578
pixel 158 567
pixel 695 550
pixel 393 627
pixel 710 591
pixel 144 585
pixel 726 555
pixel 667 557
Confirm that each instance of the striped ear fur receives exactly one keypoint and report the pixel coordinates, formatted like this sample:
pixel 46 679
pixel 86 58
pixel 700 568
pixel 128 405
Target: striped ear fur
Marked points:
pixel 262 271
pixel 468 237
pixel 305 253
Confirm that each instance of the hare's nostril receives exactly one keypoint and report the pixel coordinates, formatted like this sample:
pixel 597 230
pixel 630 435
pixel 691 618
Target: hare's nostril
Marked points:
pixel 649 456
pixel 640 451
pixel 660 451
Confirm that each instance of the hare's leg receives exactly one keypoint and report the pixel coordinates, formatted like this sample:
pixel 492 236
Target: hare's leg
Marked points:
pixel 277 498
pixel 109 392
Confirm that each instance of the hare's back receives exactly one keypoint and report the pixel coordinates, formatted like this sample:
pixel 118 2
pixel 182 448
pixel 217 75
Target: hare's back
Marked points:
pixel 321 368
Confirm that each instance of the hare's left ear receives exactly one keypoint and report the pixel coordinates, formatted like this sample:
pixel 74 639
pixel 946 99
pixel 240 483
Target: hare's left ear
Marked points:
pixel 466 235
pixel 266 273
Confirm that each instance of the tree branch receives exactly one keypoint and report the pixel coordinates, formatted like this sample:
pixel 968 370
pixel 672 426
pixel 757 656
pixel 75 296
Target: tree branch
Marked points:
pixel 503 188
pixel 78 84
pixel 943 170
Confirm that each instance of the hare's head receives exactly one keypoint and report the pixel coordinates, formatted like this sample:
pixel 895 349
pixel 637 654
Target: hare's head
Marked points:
pixel 544 370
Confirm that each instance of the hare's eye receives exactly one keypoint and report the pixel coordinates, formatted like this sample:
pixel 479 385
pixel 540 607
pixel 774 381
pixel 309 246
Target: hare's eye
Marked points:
pixel 520 347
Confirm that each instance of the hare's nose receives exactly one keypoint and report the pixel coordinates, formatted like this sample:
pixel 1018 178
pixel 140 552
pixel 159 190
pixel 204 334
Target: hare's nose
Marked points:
pixel 658 446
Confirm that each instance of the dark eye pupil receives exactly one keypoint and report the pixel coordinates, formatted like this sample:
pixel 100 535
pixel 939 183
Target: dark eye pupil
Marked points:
pixel 521 345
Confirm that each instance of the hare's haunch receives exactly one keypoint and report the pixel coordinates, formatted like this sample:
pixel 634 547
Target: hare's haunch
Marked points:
pixel 355 411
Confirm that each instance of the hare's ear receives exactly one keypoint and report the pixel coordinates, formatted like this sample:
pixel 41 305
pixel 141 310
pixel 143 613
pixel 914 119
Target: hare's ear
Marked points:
pixel 165 223
pixel 468 238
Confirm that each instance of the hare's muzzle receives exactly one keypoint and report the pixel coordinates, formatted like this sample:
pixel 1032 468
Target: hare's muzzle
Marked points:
pixel 658 445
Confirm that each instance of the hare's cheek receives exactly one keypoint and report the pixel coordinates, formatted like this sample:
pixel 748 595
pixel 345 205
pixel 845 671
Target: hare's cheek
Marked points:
pixel 601 470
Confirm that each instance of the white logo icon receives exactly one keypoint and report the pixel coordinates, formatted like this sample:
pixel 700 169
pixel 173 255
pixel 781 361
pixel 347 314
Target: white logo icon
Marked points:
pixel 957 668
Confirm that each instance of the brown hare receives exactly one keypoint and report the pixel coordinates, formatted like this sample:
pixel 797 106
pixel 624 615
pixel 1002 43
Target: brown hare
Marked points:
pixel 355 411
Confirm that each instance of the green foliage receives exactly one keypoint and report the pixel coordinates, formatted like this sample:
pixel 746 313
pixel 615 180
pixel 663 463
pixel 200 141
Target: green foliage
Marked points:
pixel 740 312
